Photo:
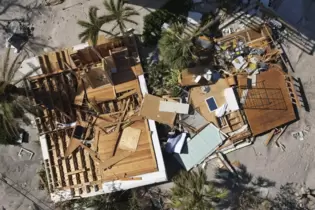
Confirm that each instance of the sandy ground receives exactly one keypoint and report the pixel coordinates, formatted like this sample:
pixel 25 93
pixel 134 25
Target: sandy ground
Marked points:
pixel 56 27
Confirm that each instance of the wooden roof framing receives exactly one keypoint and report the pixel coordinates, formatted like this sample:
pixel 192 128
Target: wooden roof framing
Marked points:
pixel 109 110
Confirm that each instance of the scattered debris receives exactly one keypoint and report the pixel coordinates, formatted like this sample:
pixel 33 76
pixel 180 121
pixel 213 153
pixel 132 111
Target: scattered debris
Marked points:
pixel 24 151
pixel 301 134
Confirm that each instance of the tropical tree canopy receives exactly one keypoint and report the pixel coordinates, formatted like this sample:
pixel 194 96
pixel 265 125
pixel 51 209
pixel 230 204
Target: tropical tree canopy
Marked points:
pixel 13 103
pixel 192 191
pixel 120 13
pixel 176 48
pixel 92 28
pixel 163 80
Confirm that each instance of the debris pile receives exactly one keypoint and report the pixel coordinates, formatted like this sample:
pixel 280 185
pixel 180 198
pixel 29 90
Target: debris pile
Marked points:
pixel 241 93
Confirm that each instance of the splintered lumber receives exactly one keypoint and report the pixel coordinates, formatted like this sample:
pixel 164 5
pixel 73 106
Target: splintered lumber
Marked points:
pixel 129 139
pixel 115 159
pixel 123 114
pixel 73 145
pixel 91 152
pixel 270 135
pixel 125 95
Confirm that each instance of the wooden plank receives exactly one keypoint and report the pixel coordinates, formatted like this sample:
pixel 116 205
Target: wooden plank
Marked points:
pixel 129 139
pixel 269 137
pixel 125 95
pixel 77 171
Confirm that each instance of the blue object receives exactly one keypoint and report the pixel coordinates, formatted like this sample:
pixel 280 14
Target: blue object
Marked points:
pixel 211 104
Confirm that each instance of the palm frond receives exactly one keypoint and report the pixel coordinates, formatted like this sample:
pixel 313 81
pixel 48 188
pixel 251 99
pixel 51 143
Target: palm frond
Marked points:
pixel 112 7
pixel 15 67
pixel 84 36
pixel 84 24
pixel 91 28
pixel 93 14
pixel 6 61
pixel 117 11
pixel 129 8
pixel 191 191
pixel 130 21
pixel 114 27
pixel 127 14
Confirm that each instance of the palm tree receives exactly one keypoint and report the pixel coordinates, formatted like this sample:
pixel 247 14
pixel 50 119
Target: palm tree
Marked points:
pixel 192 191
pixel 13 103
pixel 119 13
pixel 177 48
pixel 92 28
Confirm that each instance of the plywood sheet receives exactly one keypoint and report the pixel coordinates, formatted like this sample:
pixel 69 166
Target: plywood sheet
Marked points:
pixel 150 110
pixel 129 139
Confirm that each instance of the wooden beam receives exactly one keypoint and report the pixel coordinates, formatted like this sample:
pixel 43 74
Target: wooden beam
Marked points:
pixel 269 137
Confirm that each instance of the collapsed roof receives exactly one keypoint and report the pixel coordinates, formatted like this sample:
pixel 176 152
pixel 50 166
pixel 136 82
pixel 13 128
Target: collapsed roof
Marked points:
pixel 92 137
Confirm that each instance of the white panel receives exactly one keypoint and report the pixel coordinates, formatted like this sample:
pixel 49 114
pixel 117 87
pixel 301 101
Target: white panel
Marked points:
pixel 43 144
pixel 169 106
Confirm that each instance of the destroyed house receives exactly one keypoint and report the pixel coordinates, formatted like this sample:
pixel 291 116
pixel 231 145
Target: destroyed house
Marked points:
pixel 243 93
pixel 92 138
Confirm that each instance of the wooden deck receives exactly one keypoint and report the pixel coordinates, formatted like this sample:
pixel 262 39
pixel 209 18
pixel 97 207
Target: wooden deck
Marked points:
pixel 268 105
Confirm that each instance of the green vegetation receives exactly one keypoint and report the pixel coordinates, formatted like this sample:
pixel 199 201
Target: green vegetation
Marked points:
pixel 172 11
pixel 118 12
pixel 163 80
pixel 192 191
pixel 177 48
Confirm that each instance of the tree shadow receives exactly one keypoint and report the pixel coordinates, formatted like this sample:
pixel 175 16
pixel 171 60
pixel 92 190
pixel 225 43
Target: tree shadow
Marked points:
pixel 243 188
pixel 20 12
pixel 286 198
pixel 37 45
